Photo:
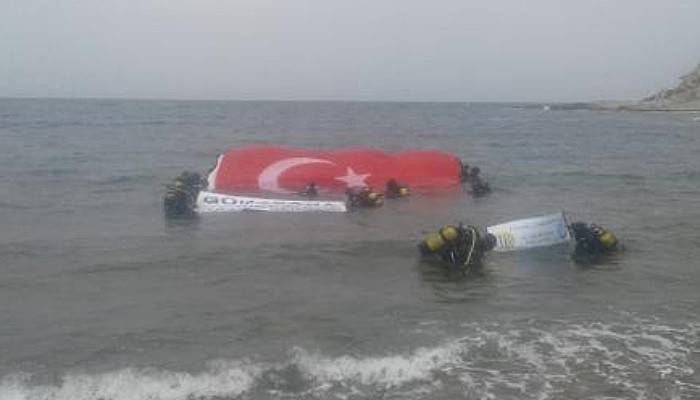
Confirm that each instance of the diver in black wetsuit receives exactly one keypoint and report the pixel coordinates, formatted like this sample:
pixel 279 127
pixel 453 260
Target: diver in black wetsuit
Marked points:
pixel 461 246
pixel 465 172
pixel 310 190
pixel 180 197
pixel 394 190
pixel 479 186
pixel 593 242
pixel 364 197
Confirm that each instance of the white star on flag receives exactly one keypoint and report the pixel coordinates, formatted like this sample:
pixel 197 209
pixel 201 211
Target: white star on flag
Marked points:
pixel 353 179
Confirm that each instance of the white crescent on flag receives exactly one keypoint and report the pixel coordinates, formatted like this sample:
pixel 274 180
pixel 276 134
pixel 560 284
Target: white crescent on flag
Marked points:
pixel 269 177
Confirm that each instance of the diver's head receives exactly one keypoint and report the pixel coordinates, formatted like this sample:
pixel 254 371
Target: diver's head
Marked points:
pixel 475 171
pixel 191 178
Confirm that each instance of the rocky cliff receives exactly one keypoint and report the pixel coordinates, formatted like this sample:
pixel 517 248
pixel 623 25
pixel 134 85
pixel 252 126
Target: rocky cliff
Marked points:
pixel 685 95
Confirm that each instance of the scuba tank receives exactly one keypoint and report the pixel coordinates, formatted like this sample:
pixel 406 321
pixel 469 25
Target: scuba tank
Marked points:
pixel 364 198
pixel 592 240
pixel 375 199
pixel 435 242
pixel 461 246
pixel 395 190
pixel 606 238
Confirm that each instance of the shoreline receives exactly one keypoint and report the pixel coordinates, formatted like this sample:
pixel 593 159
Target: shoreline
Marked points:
pixel 691 108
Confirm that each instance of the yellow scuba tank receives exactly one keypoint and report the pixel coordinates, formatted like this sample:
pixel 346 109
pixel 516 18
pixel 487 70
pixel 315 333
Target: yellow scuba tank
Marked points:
pixel 437 241
pixel 403 191
pixel 364 198
pixel 375 199
pixel 607 239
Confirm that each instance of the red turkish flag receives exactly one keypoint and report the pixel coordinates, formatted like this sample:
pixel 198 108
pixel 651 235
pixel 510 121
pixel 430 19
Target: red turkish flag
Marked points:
pixel 281 170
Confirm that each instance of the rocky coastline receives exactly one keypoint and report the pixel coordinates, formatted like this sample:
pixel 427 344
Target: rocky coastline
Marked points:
pixel 685 97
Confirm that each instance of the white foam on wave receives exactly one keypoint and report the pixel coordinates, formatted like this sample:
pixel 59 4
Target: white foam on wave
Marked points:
pixel 519 360
pixel 386 372
pixel 221 380
pixel 634 359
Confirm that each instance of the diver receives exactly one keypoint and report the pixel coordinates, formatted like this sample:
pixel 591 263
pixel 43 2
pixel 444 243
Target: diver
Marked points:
pixel 592 242
pixel 364 197
pixel 311 190
pixel 180 197
pixel 479 186
pixel 461 246
pixel 464 172
pixel 394 190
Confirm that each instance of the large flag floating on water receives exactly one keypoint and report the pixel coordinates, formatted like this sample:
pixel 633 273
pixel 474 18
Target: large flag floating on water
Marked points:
pixel 285 171
pixel 527 233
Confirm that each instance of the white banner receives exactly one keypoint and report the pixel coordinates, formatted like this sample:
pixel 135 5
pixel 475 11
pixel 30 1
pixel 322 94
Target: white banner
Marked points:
pixel 527 233
pixel 216 202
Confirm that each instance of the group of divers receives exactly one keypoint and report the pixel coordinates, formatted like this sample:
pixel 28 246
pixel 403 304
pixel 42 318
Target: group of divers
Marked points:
pixel 460 246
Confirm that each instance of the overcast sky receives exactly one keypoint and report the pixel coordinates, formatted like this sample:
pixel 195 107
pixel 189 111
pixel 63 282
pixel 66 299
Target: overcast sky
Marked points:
pixel 429 50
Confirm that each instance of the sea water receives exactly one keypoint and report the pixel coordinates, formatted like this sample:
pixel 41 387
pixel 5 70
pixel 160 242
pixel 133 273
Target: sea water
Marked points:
pixel 102 298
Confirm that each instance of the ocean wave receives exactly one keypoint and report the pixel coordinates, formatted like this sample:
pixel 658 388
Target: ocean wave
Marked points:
pixel 523 360
pixel 220 380
pixel 589 360
pixel 384 372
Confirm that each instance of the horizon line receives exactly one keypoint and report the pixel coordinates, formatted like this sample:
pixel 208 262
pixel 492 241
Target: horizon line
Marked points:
pixel 263 100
